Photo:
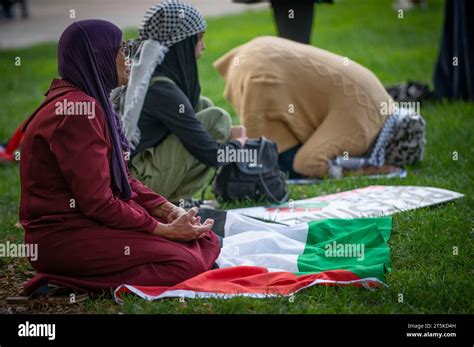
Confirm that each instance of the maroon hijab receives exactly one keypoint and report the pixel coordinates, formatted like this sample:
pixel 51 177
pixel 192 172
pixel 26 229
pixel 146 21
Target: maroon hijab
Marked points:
pixel 87 53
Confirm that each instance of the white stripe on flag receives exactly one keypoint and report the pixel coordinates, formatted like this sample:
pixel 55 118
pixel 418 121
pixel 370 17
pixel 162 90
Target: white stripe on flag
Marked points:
pixel 250 242
pixel 273 262
pixel 237 224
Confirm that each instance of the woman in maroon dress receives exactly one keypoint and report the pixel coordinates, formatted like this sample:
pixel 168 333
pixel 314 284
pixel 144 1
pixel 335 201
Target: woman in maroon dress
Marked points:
pixel 95 227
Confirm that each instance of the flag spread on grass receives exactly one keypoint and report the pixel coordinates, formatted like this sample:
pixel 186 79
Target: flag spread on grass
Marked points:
pixel 371 201
pixel 260 259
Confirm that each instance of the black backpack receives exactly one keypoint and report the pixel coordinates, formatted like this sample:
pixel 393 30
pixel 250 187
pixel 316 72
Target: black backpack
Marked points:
pixel 249 181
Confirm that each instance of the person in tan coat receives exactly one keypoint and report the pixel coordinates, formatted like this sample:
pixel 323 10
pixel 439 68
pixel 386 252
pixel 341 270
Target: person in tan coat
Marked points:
pixel 316 105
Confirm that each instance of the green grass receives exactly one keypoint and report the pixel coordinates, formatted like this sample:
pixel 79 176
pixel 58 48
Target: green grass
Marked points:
pixel 424 269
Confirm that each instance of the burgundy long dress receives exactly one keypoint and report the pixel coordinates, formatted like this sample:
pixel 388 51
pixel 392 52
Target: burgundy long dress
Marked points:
pixel 87 237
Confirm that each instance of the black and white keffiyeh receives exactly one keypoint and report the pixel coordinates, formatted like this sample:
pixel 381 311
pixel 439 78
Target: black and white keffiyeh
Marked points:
pixel 400 142
pixel 170 22
pixel 163 25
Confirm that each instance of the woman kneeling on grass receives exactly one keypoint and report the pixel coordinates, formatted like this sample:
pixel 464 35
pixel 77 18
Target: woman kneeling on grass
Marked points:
pixel 95 226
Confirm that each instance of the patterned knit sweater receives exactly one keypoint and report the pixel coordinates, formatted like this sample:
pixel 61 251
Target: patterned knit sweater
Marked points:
pixel 294 93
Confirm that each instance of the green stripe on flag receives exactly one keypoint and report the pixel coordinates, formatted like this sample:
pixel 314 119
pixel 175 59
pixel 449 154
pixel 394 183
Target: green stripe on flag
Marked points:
pixel 358 245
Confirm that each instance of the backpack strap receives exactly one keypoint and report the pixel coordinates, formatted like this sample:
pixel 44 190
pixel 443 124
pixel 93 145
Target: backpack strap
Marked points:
pixel 270 196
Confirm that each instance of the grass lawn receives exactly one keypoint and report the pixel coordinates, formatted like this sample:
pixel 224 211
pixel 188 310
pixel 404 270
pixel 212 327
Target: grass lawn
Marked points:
pixel 424 269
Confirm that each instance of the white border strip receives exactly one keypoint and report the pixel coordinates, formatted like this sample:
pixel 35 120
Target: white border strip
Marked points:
pixel 190 294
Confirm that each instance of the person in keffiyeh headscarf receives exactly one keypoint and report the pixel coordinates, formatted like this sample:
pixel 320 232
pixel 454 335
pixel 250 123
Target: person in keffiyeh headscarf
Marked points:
pixel 175 133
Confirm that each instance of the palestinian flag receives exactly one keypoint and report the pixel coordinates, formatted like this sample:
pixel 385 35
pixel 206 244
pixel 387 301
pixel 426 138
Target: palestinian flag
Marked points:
pixel 260 259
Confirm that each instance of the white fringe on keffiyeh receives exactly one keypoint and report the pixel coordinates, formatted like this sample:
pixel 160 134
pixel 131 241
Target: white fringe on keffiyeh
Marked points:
pixel 128 101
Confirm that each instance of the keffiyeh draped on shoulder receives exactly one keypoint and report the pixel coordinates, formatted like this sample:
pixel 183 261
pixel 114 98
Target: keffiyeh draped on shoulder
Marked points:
pixel 163 25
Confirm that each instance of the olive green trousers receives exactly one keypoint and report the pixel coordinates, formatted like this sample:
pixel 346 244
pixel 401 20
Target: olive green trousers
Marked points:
pixel 169 169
